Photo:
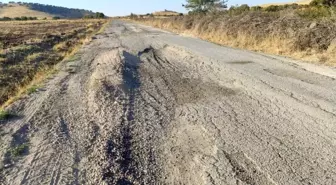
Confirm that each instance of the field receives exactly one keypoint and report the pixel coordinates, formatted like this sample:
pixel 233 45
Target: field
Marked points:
pixel 29 50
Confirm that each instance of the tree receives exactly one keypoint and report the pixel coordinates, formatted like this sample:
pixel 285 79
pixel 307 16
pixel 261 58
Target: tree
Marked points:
pixel 205 5
pixel 100 15
pixel 133 16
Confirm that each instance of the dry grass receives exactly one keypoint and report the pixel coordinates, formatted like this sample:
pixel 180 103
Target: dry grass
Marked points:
pixel 16 10
pixel 32 49
pixel 286 34
pixel 300 2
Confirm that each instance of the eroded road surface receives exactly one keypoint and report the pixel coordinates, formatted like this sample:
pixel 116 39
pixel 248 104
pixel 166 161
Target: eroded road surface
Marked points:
pixel 143 106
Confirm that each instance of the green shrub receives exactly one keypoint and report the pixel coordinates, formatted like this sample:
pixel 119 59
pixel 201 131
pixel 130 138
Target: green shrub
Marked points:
pixel 56 18
pixel 4 115
pixel 24 18
pixel 256 8
pixel 98 15
pixel 236 10
pixel 314 12
pixel 273 8
pixel 19 150
pixel 32 89
pixel 32 18
pixel 291 6
pixel 88 17
pixel 243 7
pixel 5 19
pixel 323 3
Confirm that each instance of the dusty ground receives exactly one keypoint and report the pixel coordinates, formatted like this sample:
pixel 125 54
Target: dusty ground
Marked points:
pixel 142 106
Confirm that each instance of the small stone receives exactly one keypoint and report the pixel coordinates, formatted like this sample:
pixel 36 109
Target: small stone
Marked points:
pixel 7 165
pixel 313 25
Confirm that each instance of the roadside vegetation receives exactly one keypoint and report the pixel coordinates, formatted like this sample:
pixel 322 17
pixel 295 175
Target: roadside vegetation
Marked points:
pixel 29 51
pixel 19 150
pixel 305 32
pixel 23 18
pixel 4 115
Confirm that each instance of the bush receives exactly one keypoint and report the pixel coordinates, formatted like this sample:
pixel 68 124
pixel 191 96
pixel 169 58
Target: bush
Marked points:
pixel 273 8
pixel 5 19
pixel 314 12
pixel 256 8
pixel 236 10
pixel 32 18
pixel 243 7
pixel 98 15
pixel 24 18
pixel 290 6
pixel 4 115
pixel 56 18
pixel 88 17
pixel 323 3
pixel 19 150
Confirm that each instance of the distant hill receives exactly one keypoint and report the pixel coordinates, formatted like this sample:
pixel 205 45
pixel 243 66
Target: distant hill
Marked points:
pixel 166 13
pixel 40 11
pixel 15 10
pixel 300 2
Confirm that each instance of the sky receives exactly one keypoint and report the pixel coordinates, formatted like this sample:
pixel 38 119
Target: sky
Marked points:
pixel 125 7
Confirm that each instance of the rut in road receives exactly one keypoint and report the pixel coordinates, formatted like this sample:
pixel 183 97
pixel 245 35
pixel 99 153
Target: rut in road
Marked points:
pixel 142 106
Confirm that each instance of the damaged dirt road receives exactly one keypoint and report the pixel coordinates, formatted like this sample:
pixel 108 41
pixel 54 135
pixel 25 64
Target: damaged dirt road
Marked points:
pixel 143 106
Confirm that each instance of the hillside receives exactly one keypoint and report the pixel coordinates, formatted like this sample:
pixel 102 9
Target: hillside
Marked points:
pixel 16 10
pixel 40 11
pixel 166 13
pixel 300 2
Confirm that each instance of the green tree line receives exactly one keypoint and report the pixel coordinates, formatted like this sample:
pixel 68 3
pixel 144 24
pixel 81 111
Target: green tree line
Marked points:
pixel 23 18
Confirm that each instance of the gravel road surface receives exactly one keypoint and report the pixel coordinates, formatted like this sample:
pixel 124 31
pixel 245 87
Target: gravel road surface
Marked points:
pixel 140 105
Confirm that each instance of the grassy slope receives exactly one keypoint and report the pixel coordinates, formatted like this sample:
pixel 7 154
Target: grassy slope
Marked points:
pixel 301 2
pixel 18 11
